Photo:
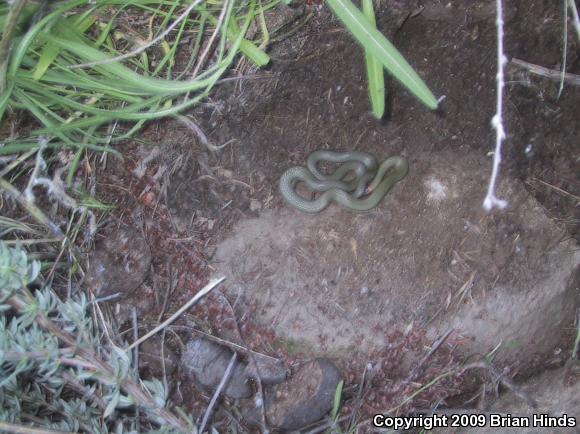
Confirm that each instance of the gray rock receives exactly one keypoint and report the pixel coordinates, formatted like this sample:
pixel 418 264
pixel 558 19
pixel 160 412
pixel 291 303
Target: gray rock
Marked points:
pixel 206 362
pixel 271 371
pixel 305 398
pixel 151 358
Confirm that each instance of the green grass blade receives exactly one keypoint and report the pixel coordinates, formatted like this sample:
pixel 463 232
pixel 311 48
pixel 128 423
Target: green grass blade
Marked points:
pixel 248 48
pixel 47 56
pixel 383 51
pixel 375 75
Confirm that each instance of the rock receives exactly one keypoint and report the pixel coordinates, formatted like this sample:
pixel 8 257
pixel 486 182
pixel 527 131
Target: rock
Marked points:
pixel 556 393
pixel 271 371
pixel 119 264
pixel 305 398
pixel 151 360
pixel 206 362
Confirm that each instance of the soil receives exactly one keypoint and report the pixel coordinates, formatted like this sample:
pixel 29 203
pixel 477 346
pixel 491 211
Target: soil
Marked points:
pixel 199 209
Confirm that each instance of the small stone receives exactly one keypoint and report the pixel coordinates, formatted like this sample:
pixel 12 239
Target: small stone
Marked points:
pixel 150 358
pixel 206 362
pixel 305 398
pixel 271 371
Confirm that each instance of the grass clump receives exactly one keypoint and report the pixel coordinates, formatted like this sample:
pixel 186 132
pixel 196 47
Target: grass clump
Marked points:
pixel 89 77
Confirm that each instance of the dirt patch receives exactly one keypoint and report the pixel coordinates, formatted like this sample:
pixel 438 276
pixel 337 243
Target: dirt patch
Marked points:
pixel 332 283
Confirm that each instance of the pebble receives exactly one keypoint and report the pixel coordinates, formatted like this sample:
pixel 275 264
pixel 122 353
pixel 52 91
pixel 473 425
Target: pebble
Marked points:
pixel 206 362
pixel 304 398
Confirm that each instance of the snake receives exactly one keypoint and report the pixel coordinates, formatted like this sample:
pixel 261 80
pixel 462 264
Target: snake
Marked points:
pixel 360 192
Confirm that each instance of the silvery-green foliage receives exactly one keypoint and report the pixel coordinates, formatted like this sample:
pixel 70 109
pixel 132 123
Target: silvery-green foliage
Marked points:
pixel 15 270
pixel 35 367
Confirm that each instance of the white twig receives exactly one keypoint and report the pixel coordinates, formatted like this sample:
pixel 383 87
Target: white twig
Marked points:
pixel 143 47
pixel 576 20
pixel 564 49
pixel 205 290
pixel 551 74
pixel 491 200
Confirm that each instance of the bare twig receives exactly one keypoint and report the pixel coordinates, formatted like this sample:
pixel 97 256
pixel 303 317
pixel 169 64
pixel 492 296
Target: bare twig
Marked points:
pixel 564 49
pixel 547 73
pixel 204 291
pixel 558 189
pixel 491 200
pixel 233 346
pixel 218 392
pixel 436 345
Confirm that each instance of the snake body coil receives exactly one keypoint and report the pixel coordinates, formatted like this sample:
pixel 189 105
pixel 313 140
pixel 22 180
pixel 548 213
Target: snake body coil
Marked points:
pixel 361 193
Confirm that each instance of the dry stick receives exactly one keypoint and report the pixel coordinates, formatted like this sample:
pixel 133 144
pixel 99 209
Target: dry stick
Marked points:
pixel 19 429
pixel 218 392
pixel 436 345
pixel 233 346
pixel 6 41
pixel 558 189
pixel 576 20
pixel 547 73
pixel 491 200
pixel 142 47
pixel 205 290
pixel 564 49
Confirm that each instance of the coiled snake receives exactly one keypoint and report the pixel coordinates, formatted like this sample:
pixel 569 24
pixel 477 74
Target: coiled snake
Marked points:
pixel 361 193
